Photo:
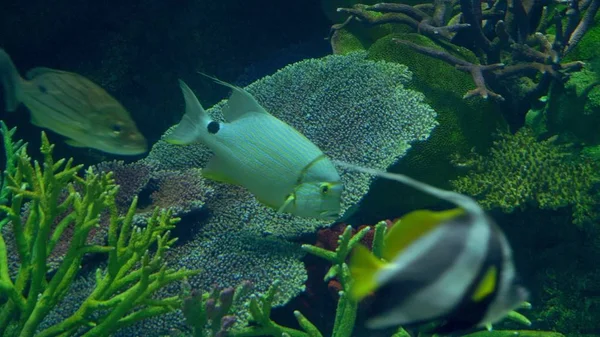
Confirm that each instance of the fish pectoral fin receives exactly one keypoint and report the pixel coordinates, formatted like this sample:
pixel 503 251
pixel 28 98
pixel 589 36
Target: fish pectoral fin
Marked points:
pixel 363 268
pixel 74 143
pixel 411 227
pixel 214 171
pixel 487 285
pixel 289 200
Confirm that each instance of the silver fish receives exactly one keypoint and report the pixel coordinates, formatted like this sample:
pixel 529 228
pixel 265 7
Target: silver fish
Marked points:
pixel 254 149
pixel 73 106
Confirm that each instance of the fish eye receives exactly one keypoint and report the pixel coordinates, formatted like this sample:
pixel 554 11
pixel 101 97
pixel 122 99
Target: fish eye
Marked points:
pixel 116 128
pixel 324 188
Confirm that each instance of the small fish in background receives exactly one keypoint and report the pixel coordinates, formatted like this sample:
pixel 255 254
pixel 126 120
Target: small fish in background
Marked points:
pixel 453 269
pixel 73 106
pixel 280 166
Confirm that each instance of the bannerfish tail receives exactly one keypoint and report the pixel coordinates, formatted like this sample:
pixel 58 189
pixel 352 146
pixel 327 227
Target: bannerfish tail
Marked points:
pixel 10 78
pixel 194 123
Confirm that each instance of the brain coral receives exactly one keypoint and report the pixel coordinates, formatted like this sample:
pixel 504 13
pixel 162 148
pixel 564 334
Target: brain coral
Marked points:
pixel 354 109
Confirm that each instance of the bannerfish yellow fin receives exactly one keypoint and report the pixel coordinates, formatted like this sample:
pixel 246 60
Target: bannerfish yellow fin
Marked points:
pixel 487 285
pixel 74 143
pixel 214 171
pixel 290 199
pixel 363 268
pixel 411 227
pixel 195 117
pixel 239 103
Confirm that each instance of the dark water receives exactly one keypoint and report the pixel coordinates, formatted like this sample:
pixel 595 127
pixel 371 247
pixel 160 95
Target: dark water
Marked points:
pixel 137 50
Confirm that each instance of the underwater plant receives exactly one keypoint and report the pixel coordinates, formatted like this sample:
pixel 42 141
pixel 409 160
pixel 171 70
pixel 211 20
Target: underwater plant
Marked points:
pixel 124 290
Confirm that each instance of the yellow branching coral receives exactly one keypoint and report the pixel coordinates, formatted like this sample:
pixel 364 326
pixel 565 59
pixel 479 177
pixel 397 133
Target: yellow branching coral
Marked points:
pixel 123 293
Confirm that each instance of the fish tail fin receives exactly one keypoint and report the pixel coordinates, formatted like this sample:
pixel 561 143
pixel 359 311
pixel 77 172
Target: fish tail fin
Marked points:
pixel 194 121
pixel 10 78
pixel 363 267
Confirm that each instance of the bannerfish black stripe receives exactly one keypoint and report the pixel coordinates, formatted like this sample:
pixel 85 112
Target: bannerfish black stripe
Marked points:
pixel 471 312
pixel 453 257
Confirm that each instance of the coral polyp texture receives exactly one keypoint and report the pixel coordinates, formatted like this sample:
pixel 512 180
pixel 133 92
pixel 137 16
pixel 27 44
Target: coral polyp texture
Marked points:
pixel 182 192
pixel 131 178
pixel 521 171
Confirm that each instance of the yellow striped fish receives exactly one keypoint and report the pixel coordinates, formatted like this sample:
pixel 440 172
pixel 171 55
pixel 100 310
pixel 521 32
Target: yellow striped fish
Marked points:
pixel 453 268
pixel 254 149
pixel 73 106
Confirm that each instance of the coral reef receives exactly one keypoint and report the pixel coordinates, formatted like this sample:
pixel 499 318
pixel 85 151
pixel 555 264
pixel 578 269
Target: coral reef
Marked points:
pixel 464 125
pixel 182 192
pixel 131 178
pixel 521 171
pixel 13 150
pixel 122 292
pixel 556 257
pixel 346 321
pixel 512 39
pixel 354 109
pixel 338 102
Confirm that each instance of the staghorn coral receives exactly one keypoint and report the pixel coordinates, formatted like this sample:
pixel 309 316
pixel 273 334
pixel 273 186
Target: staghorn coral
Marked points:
pixel 522 171
pixel 122 291
pixel 131 178
pixel 12 153
pixel 96 236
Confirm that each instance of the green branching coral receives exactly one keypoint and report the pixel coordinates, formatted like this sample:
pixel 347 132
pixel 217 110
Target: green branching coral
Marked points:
pixel 12 153
pixel 521 171
pixel 123 291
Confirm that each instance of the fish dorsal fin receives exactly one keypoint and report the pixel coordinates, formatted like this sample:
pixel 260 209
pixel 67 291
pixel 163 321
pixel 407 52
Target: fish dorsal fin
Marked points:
pixel 487 285
pixel 363 268
pixel 411 227
pixel 41 70
pixel 239 103
pixel 215 170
